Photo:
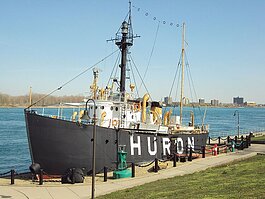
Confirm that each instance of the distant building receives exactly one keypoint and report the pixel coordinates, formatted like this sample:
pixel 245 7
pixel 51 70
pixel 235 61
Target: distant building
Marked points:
pixel 201 101
pixel 250 104
pixel 238 100
pixel 168 100
pixel 214 102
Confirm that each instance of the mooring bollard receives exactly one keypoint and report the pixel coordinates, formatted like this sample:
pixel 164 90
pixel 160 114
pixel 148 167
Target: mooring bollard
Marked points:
pixel 133 170
pixel 219 140
pixel 174 160
pixel 12 176
pixel 182 159
pixel 190 155
pixel 156 165
pixel 41 177
pixel 105 174
pixel 203 151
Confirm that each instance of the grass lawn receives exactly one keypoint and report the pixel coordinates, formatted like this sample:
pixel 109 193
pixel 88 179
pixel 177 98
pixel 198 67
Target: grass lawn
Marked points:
pixel 241 179
pixel 258 138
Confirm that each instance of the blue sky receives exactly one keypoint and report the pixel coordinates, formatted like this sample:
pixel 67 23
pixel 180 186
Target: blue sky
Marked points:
pixel 44 43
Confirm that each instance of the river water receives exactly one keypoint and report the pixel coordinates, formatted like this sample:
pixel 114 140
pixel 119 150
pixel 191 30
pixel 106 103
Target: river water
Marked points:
pixel 14 151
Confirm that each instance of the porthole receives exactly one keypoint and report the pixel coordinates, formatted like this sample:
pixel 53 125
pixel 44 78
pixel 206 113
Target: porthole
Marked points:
pixel 111 108
pixel 102 107
pixel 116 108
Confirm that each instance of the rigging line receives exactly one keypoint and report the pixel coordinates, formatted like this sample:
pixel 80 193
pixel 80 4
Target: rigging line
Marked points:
pixel 115 64
pixel 128 14
pixel 178 66
pixel 151 54
pixel 140 77
pixel 136 87
pixel 189 80
pixel 193 87
pixel 116 71
pixel 59 88
pixel 178 82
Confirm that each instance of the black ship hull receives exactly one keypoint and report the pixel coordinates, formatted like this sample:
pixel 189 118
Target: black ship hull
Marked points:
pixel 58 144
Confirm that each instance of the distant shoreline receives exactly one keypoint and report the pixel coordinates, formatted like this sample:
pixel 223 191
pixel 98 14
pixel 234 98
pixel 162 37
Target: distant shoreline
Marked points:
pixel 54 106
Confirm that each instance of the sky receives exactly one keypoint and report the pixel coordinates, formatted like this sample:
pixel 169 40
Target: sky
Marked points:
pixel 45 43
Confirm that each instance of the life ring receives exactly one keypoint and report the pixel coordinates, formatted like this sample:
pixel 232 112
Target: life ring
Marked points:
pixel 114 122
pixel 136 107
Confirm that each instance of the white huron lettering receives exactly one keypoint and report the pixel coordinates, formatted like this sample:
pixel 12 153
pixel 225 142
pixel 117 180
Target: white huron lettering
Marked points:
pixel 136 145
pixel 179 145
pixel 166 145
pixel 149 146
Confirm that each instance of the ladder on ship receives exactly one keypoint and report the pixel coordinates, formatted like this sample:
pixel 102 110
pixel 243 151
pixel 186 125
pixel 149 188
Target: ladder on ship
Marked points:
pixel 123 115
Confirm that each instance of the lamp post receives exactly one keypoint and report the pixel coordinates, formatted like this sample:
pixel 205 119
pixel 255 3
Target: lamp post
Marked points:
pixel 86 117
pixel 237 121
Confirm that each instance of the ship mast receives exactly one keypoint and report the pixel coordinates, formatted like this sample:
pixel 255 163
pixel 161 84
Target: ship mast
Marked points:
pixel 123 47
pixel 124 40
pixel 182 72
pixel 30 96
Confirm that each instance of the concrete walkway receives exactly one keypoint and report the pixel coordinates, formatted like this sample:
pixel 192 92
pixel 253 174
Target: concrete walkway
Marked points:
pixel 83 191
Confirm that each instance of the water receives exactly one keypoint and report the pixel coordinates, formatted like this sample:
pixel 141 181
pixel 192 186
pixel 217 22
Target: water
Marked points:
pixel 14 150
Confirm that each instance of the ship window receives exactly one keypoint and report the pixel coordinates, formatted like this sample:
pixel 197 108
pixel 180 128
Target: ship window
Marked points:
pixel 124 116
pixel 111 108
pixel 102 107
pixel 96 107
pixel 91 107
pixel 116 108
pixel 132 116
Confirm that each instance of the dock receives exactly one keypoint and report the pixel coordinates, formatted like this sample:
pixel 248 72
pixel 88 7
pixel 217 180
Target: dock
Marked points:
pixel 23 189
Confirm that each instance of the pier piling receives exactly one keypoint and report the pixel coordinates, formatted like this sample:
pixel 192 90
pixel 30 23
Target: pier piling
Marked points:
pixel 12 176
pixel 105 174
pixel 133 170
pixel 174 160
pixel 41 177
pixel 247 140
pixel 203 151
pixel 190 155
pixel 156 165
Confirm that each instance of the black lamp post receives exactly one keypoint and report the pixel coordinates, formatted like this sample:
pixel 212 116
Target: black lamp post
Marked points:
pixel 237 121
pixel 86 117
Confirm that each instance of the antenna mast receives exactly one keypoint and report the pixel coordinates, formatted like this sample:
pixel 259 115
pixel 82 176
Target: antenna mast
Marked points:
pixel 182 72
